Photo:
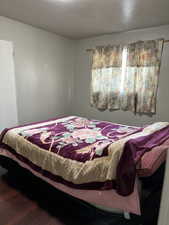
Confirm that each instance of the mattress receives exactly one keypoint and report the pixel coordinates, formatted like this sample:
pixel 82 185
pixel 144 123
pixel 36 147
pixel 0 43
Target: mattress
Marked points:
pixel 152 160
pixel 107 199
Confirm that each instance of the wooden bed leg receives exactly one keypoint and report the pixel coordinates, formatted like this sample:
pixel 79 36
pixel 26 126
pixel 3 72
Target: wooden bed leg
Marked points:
pixel 127 215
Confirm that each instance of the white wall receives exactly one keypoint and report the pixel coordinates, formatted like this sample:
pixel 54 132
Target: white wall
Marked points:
pixel 81 104
pixel 53 73
pixel 44 65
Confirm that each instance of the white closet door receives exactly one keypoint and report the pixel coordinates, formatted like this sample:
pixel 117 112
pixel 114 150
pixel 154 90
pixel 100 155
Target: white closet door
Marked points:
pixel 8 107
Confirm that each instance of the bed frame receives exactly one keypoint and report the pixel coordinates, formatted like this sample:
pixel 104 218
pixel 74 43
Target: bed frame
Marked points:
pixel 150 194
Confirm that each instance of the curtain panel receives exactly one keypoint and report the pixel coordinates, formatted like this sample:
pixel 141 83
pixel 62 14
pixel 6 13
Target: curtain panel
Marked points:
pixel 106 77
pixel 126 77
pixel 141 76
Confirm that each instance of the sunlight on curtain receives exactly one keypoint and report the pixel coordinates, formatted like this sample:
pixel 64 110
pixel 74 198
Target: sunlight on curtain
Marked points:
pixel 124 63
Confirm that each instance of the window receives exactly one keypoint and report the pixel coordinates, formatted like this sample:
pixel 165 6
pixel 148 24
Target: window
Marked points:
pixel 126 77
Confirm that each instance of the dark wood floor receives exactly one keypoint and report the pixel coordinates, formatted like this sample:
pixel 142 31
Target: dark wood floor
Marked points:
pixel 22 202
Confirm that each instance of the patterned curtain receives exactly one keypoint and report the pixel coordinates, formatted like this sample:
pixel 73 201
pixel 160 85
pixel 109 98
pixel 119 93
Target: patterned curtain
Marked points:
pixel 126 77
pixel 141 76
pixel 106 77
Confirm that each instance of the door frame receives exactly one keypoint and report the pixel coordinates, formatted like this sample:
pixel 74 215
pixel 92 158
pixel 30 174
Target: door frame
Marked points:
pixel 164 208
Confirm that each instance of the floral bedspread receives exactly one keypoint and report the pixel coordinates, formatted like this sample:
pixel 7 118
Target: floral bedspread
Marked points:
pixel 77 138
pixel 84 153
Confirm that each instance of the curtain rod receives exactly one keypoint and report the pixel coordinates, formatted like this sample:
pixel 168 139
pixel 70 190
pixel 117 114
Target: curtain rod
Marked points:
pixel 91 49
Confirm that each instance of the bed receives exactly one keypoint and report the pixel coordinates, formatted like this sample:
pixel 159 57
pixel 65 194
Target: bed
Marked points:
pixel 96 161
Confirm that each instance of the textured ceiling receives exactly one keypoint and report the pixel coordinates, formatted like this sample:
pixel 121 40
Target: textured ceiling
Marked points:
pixel 85 18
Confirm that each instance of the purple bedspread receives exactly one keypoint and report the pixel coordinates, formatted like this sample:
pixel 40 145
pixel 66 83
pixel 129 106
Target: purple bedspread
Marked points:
pixel 79 142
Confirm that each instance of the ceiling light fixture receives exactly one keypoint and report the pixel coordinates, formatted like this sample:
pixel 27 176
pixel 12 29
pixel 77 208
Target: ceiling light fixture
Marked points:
pixel 56 1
